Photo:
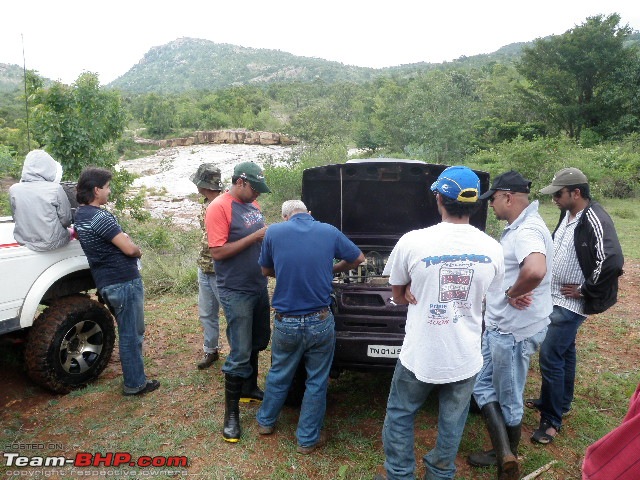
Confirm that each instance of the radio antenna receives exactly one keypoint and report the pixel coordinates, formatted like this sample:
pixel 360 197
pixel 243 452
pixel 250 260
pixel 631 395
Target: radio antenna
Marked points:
pixel 26 97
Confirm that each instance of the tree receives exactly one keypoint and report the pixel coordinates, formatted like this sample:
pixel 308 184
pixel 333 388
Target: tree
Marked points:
pixel 159 115
pixel 576 79
pixel 429 117
pixel 329 118
pixel 77 124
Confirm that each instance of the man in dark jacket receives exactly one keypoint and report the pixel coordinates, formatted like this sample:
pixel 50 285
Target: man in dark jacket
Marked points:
pixel 587 262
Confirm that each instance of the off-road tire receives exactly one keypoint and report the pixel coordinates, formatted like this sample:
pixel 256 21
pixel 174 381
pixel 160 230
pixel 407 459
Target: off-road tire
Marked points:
pixel 70 343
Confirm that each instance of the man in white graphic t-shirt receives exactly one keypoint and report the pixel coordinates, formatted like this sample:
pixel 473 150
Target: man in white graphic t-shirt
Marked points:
pixel 443 272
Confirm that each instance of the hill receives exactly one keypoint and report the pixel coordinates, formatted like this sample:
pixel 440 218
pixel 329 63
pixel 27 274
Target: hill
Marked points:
pixel 10 78
pixel 194 64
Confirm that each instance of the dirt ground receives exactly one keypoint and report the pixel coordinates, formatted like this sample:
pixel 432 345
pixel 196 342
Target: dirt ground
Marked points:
pixel 24 403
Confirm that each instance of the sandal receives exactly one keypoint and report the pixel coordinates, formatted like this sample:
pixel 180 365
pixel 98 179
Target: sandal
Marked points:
pixel 541 436
pixel 533 403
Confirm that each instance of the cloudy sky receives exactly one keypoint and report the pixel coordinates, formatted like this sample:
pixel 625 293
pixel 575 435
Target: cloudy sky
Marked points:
pixel 63 38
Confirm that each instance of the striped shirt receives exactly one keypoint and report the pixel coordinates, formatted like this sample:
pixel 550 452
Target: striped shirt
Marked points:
pixel 96 229
pixel 566 269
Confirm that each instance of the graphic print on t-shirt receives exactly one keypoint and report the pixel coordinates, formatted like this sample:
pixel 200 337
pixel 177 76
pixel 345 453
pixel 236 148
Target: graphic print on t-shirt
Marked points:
pixel 454 284
pixel 252 217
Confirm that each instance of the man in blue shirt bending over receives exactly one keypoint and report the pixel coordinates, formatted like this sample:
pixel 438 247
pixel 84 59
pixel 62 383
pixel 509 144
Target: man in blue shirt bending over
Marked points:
pixel 299 253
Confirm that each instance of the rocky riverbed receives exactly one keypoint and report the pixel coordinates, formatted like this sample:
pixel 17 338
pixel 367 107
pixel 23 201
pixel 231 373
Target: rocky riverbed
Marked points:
pixel 165 175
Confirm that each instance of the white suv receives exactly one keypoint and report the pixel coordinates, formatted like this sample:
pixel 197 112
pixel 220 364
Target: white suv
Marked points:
pixel 70 336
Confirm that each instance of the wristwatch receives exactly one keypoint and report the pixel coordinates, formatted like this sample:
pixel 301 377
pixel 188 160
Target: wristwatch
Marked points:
pixel 506 294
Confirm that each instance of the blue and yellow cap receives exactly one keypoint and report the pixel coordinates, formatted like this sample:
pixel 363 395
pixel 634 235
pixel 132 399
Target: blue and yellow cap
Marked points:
pixel 458 183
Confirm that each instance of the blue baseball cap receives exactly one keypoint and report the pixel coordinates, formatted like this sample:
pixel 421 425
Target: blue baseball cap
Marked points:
pixel 458 183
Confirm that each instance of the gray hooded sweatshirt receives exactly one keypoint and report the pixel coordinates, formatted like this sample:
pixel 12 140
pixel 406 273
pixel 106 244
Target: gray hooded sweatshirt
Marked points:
pixel 40 206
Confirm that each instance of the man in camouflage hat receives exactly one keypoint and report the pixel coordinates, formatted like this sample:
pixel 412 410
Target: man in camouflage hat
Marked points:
pixel 207 179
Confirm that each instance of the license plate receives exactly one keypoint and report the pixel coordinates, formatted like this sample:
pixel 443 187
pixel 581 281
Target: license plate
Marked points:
pixel 383 351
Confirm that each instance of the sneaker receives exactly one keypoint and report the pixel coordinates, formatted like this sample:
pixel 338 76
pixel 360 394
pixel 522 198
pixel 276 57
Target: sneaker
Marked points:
pixel 266 430
pixel 149 387
pixel 320 443
pixel 208 359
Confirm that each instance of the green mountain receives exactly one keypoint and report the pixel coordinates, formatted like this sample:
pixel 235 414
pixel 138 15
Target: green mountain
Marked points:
pixel 188 63
pixel 11 78
pixel 194 64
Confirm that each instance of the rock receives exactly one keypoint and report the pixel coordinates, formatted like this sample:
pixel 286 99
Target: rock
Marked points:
pixel 239 136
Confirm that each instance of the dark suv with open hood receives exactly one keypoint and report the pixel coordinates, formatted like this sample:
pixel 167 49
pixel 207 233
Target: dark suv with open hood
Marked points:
pixel 373 202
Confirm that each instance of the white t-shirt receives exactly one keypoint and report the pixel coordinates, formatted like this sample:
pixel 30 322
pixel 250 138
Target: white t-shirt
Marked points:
pixel 450 267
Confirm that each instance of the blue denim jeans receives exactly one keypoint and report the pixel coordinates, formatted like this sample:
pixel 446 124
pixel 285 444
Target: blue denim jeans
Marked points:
pixel 208 309
pixel 127 301
pixel 405 398
pixel 312 340
pixel 558 364
pixel 248 328
pixel 504 372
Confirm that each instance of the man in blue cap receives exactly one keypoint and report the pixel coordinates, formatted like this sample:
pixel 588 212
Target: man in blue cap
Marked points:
pixel 442 272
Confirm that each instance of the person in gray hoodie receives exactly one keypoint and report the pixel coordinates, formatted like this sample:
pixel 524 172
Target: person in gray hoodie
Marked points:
pixel 40 206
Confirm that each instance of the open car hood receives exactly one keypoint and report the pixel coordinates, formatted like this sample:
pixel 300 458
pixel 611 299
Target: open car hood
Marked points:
pixel 376 201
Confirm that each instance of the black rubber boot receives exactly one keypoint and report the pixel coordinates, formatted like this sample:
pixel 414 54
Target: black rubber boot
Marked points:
pixel 488 457
pixel 514 433
pixel 482 459
pixel 232 387
pixel 250 390
pixel 506 461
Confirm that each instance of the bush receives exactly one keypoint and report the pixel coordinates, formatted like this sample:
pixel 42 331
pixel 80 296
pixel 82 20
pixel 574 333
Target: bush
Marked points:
pixel 169 256
pixel 5 208
pixel 612 169
pixel 536 160
pixel 284 177
pixel 9 165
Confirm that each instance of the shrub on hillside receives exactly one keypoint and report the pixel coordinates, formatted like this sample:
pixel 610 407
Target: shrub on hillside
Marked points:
pixel 169 256
pixel 284 177
pixel 612 169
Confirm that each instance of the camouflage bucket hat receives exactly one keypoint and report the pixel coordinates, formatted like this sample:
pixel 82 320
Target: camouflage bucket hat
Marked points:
pixel 207 176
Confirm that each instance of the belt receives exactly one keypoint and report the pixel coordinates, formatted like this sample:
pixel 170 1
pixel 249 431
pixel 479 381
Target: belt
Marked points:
pixel 324 313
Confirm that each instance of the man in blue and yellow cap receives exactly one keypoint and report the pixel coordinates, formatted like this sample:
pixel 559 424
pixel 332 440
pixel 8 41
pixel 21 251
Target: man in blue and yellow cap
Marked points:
pixel 442 272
